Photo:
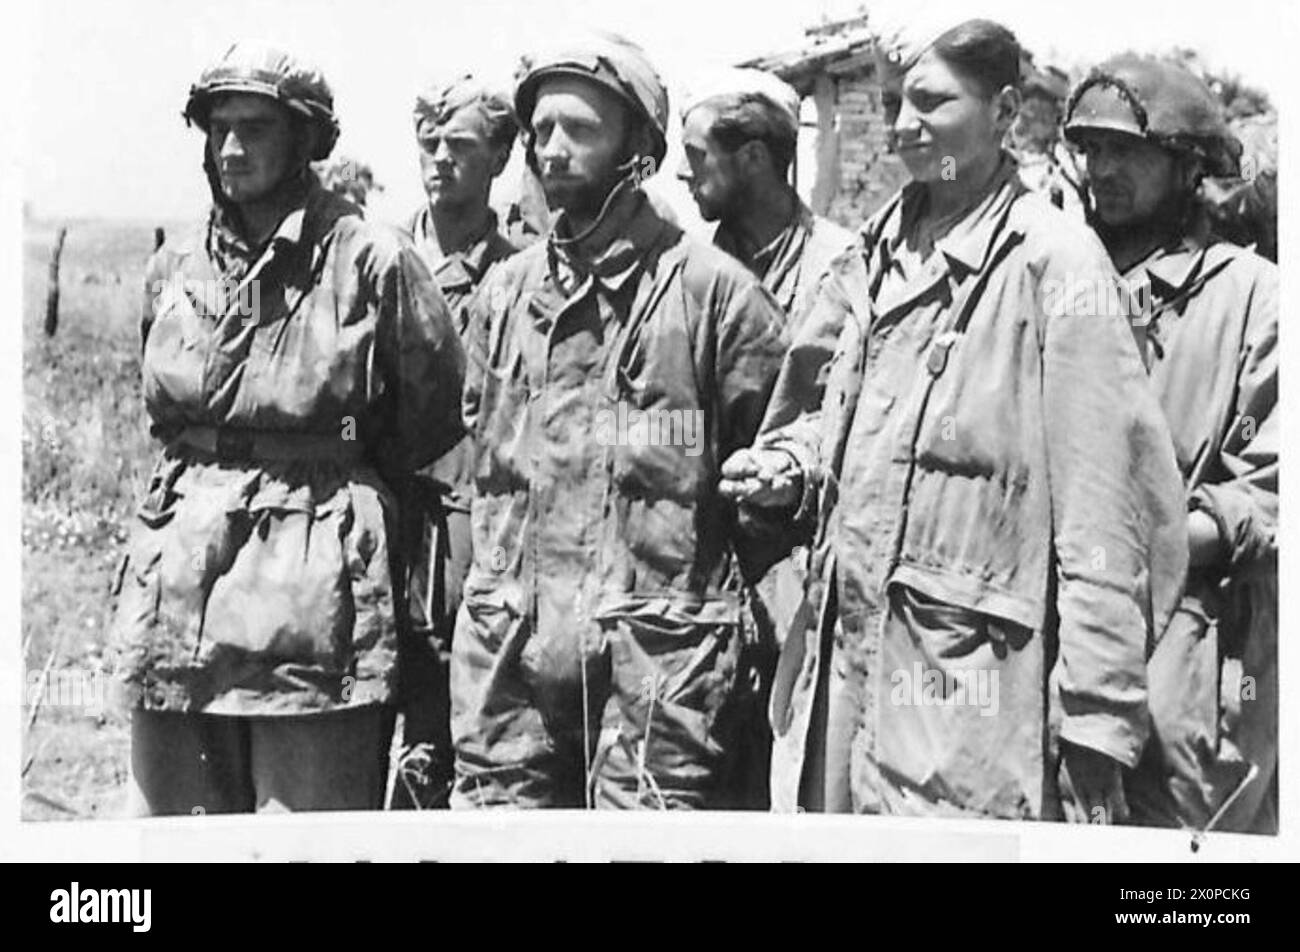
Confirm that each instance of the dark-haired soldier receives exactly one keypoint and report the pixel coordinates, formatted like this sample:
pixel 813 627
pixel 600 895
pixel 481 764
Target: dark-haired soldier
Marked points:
pixel 1150 130
pixel 997 511
pixel 740 132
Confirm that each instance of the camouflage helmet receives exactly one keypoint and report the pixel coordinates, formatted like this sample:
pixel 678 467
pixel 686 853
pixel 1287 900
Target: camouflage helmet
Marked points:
pixel 1155 100
pixel 267 71
pixel 609 61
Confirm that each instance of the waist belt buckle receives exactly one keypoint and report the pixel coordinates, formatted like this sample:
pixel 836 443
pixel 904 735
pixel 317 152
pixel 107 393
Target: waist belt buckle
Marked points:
pixel 234 444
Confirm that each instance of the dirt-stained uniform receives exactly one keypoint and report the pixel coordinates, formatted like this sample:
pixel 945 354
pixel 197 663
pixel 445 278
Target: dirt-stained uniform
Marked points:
pixel 436 537
pixel 608 378
pixel 1212 325
pixel 996 504
pixel 792 263
pixel 289 385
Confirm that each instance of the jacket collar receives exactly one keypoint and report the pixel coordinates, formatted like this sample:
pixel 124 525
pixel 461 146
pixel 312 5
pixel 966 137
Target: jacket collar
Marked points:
pixel 1175 266
pixel 966 245
pixel 612 249
pixel 296 240
pixel 965 249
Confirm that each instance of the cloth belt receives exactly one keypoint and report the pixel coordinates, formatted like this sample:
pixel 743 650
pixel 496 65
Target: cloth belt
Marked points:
pixel 244 445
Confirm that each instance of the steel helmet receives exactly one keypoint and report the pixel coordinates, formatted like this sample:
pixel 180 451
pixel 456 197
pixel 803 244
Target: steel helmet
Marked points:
pixel 1156 100
pixel 267 71
pixel 612 62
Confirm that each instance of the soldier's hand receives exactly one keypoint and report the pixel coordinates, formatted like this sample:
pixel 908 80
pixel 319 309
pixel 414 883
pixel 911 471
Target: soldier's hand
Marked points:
pixel 1092 787
pixel 760 477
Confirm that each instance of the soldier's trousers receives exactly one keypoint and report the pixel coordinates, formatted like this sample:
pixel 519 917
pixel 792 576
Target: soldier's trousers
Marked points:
pixel 655 730
pixel 438 552
pixel 190 764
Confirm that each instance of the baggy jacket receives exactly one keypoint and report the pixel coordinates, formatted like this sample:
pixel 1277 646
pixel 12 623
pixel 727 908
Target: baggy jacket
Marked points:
pixel 1212 338
pixel 595 492
pixel 994 451
pixel 289 386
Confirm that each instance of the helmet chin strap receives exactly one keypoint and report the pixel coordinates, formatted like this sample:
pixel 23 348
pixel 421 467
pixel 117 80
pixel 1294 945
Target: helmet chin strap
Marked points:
pixel 628 179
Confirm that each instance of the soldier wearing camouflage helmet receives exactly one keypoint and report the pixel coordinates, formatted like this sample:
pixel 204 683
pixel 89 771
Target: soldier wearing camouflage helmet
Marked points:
pixel 612 366
pixel 1150 130
pixel 297 364
pixel 465 130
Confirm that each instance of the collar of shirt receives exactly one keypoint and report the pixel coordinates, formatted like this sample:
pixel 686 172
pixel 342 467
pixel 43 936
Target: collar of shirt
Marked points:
pixel 237 258
pixel 776 253
pixel 1174 266
pixel 966 235
pixel 963 249
pixel 459 270
pixel 611 250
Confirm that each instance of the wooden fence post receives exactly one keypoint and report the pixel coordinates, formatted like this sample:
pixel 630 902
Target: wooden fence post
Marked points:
pixel 52 295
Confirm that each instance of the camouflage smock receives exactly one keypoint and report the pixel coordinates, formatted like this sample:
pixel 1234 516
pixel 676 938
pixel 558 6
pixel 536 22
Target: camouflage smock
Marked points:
pixel 258 579
pixel 597 553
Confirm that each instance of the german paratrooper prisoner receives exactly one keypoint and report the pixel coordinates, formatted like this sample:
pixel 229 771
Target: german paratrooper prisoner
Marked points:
pixel 740 132
pixel 996 503
pixel 296 360
pixel 1150 131
pixel 596 648
pixel 926 463
pixel 465 130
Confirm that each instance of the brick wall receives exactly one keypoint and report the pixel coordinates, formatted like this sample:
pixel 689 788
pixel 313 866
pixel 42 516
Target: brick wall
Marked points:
pixel 866 175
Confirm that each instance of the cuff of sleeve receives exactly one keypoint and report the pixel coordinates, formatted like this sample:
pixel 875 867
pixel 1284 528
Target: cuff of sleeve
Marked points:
pixel 1239 536
pixel 807 467
pixel 1110 734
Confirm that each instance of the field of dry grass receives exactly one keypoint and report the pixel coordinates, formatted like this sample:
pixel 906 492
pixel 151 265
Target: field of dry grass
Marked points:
pixel 86 452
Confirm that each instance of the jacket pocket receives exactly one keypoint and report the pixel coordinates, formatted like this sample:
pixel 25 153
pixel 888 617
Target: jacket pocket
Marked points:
pixel 960 706
pixel 673 674
pixel 491 616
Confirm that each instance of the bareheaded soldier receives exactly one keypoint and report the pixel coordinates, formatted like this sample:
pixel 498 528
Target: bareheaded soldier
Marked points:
pixel 740 131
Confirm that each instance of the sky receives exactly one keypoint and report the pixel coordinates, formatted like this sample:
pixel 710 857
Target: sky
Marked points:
pixel 106 82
